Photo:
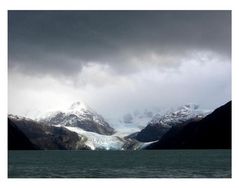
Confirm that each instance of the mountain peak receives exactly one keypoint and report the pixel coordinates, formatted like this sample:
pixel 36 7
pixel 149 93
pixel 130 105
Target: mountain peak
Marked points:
pixel 79 115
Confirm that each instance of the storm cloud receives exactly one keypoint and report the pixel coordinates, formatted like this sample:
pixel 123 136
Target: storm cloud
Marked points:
pixel 142 58
pixel 64 41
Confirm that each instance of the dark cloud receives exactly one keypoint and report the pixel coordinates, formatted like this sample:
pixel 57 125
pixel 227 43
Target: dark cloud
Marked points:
pixel 61 42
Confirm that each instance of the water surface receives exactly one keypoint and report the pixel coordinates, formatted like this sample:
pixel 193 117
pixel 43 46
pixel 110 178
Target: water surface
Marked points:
pixel 120 164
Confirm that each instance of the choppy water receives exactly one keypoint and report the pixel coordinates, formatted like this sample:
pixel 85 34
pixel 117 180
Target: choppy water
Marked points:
pixel 120 164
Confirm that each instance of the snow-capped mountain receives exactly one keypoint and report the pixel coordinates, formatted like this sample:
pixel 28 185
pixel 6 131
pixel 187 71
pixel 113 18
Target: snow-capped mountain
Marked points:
pixel 161 123
pixel 79 115
pixel 181 114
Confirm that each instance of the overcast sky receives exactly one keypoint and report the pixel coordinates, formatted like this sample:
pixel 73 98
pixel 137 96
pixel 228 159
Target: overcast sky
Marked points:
pixel 118 61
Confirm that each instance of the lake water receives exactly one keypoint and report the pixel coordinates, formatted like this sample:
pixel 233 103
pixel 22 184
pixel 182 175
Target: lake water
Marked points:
pixel 120 164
